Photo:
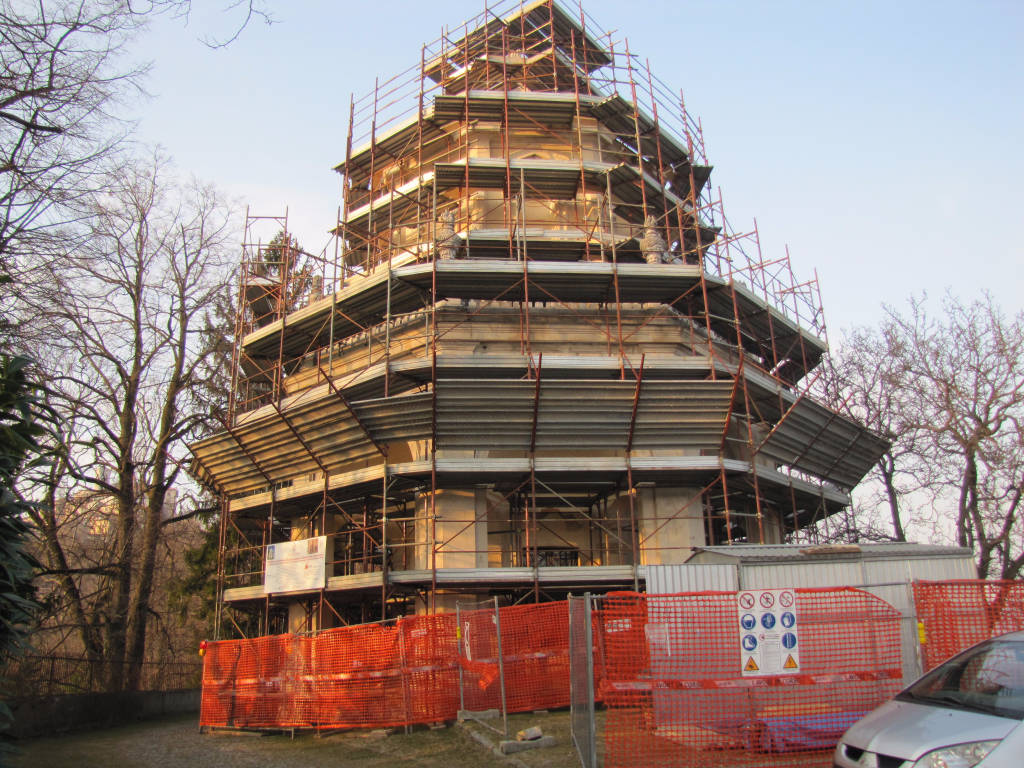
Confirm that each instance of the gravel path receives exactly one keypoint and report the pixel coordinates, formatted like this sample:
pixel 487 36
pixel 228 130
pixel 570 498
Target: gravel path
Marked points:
pixel 177 743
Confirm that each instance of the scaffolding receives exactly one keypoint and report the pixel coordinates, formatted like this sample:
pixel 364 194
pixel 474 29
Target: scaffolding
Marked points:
pixel 536 357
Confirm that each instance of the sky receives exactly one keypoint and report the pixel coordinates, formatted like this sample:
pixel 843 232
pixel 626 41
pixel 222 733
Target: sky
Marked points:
pixel 880 141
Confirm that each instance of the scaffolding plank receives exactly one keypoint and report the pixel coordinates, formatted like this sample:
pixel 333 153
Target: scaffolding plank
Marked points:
pixel 823 443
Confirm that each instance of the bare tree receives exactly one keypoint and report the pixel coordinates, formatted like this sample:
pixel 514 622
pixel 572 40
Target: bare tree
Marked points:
pixel 122 322
pixel 239 14
pixel 948 390
pixel 965 380
pixel 63 83
pixel 865 381
pixel 63 75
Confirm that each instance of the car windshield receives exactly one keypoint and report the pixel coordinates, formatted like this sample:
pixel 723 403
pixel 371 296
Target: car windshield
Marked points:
pixel 988 678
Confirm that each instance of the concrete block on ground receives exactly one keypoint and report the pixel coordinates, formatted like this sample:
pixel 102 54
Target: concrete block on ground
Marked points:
pixel 483 714
pixel 530 734
pixel 232 732
pixel 508 747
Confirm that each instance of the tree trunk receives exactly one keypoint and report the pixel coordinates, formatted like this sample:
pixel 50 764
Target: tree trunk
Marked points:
pixel 136 650
pixel 116 628
pixel 46 521
pixel 888 472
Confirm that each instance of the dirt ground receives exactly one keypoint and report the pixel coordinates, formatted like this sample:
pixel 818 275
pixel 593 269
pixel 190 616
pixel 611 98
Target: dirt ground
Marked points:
pixel 177 743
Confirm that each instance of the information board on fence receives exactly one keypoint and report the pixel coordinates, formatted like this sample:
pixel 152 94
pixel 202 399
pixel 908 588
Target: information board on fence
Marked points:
pixel 296 566
pixel 768 632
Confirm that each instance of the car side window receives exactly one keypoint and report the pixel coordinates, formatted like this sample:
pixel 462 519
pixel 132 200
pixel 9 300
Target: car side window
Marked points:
pixel 989 674
pixel 989 678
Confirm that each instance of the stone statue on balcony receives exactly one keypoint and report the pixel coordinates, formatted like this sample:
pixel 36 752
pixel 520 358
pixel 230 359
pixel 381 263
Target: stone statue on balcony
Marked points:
pixel 653 245
pixel 446 241
pixel 316 290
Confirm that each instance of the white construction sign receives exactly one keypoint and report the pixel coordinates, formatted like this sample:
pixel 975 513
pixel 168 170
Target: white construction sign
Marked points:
pixel 769 632
pixel 296 566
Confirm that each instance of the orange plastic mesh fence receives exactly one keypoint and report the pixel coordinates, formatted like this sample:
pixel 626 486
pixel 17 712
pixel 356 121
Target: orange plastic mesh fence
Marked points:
pixel 535 652
pixel 535 646
pixel 257 683
pixel 380 675
pixel 958 614
pixel 431 670
pixel 480 677
pixel 683 684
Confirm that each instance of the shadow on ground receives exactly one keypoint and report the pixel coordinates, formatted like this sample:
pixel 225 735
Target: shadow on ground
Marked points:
pixel 177 743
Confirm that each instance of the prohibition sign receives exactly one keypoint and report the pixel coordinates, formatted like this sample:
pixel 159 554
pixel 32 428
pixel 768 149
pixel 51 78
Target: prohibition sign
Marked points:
pixel 767 600
pixel 786 599
pixel 747 601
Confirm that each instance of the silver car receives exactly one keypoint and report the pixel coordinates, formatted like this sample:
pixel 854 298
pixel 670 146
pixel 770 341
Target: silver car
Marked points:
pixel 966 712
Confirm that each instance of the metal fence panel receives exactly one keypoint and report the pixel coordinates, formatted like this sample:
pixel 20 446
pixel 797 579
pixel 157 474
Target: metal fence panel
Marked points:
pixel 393 673
pixel 581 680
pixel 481 659
pixel 677 691
pixel 957 614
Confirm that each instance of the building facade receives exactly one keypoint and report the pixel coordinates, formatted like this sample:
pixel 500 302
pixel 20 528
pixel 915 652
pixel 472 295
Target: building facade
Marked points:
pixel 538 360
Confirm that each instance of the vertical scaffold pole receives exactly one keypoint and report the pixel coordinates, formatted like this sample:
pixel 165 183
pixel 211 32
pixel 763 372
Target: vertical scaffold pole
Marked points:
pixel 501 666
pixel 433 417
pixel 373 160
pixel 615 276
pixel 384 570
pixel 581 200
pixel 459 641
pixel 695 212
pixel 588 635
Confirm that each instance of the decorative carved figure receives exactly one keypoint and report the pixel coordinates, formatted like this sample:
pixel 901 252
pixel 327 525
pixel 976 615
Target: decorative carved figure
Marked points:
pixel 653 245
pixel 316 291
pixel 445 239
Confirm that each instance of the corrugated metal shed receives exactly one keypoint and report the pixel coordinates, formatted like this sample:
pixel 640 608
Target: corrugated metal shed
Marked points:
pixel 672 579
pixel 885 570
pixel 749 553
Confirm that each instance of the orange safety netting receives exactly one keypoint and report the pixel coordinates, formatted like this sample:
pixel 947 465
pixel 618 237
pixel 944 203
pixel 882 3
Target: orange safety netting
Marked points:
pixel 676 693
pixel 381 675
pixel 535 652
pixel 957 614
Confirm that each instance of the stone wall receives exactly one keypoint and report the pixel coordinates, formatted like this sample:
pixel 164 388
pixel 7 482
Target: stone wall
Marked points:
pixel 47 715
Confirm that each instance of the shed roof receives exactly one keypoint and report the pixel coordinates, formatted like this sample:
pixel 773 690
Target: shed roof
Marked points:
pixel 771 553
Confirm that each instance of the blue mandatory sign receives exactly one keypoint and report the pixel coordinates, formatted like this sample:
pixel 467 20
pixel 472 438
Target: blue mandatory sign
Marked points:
pixel 749 642
pixel 768 620
pixel 748 621
pixel 789 640
pixel 788 619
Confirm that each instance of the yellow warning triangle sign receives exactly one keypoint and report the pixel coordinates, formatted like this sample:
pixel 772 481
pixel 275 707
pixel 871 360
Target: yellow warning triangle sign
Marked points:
pixel 790 662
pixel 751 665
